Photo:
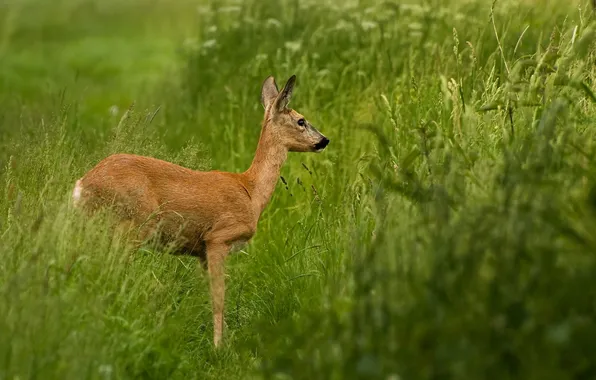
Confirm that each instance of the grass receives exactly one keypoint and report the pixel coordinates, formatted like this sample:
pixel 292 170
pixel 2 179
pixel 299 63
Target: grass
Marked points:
pixel 446 232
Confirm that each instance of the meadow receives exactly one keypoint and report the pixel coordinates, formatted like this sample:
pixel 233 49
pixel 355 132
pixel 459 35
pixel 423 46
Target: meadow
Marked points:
pixel 447 231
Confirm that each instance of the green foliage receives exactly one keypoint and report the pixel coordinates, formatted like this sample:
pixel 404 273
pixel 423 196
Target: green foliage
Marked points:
pixel 445 233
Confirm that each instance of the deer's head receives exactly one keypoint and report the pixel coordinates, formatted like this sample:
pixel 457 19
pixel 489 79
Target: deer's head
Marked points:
pixel 284 124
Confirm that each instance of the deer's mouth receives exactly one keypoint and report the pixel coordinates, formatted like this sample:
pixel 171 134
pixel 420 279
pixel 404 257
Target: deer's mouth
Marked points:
pixel 321 144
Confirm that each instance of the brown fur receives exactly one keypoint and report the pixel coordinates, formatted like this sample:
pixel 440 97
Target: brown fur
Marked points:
pixel 205 213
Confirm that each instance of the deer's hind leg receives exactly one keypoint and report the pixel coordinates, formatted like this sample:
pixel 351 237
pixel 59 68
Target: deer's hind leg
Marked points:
pixel 134 232
pixel 146 217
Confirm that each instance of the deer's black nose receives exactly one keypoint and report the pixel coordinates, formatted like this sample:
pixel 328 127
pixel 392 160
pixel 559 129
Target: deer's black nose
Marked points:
pixel 322 144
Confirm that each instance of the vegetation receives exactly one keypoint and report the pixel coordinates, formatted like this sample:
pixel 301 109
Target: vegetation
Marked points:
pixel 445 233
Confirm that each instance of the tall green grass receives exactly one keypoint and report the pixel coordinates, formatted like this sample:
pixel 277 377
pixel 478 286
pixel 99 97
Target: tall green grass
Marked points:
pixel 446 232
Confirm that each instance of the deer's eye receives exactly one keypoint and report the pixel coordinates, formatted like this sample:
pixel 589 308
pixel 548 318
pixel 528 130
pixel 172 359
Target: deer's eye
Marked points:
pixel 302 122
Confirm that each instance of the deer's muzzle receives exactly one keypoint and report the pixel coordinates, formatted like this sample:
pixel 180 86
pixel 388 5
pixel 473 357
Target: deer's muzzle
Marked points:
pixel 321 144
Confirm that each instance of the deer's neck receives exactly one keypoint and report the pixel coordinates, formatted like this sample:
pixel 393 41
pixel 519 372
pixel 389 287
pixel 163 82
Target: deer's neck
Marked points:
pixel 263 174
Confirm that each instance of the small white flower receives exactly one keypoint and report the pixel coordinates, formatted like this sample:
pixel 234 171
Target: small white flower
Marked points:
pixel 106 370
pixel 415 26
pixel 271 22
pixel 114 110
pixel 343 25
pixel 230 9
pixel 348 5
pixel 368 25
pixel 203 10
pixel 414 8
pixel 261 57
pixel 209 44
pixel 293 46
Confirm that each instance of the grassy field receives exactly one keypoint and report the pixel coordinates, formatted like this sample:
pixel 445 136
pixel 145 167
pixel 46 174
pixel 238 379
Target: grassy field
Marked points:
pixel 447 232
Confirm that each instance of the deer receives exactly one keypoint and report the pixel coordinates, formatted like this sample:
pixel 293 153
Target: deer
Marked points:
pixel 207 214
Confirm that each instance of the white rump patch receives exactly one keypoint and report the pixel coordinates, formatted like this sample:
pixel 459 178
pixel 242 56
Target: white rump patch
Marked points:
pixel 77 192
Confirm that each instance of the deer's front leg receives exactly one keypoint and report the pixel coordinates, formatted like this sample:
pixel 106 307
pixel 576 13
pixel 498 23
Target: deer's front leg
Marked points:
pixel 216 254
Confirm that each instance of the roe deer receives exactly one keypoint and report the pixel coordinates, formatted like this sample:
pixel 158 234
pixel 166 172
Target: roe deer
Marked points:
pixel 206 213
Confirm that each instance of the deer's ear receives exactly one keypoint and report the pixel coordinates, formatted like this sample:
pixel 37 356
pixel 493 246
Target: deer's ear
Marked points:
pixel 269 92
pixel 285 95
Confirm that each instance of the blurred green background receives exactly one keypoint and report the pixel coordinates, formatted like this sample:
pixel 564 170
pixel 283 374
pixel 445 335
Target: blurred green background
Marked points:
pixel 447 232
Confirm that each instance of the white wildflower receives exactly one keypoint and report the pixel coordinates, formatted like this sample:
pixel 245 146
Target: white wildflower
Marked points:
pixel 414 8
pixel 271 22
pixel 203 10
pixel 261 57
pixel 343 25
pixel 368 25
pixel 348 5
pixel 106 370
pixel 293 46
pixel 230 9
pixel 209 44
pixel 415 26
pixel 114 110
